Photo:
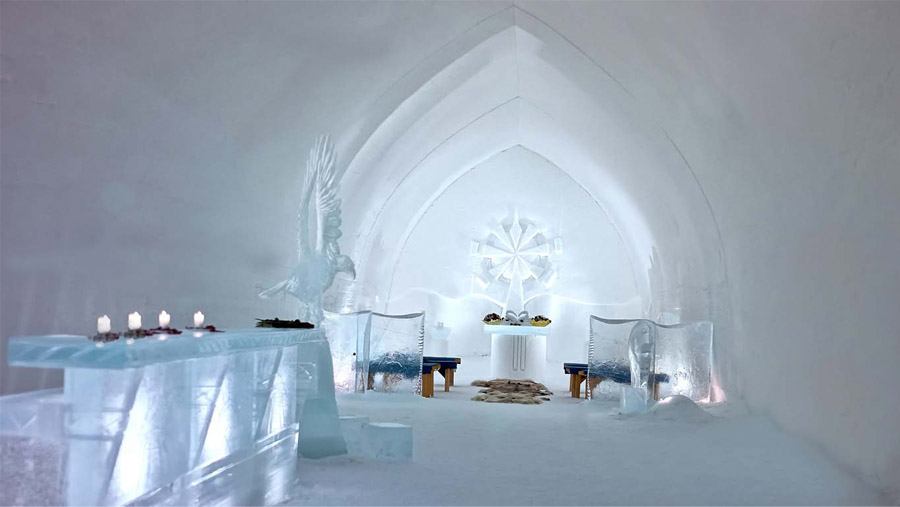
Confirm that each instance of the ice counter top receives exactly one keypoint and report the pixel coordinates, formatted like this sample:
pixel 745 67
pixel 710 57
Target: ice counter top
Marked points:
pixel 73 351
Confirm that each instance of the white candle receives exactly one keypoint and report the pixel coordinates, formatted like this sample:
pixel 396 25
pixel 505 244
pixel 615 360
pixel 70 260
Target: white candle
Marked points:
pixel 164 319
pixel 103 324
pixel 134 321
pixel 198 319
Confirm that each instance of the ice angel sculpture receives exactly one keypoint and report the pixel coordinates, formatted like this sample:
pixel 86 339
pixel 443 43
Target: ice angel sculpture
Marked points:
pixel 319 257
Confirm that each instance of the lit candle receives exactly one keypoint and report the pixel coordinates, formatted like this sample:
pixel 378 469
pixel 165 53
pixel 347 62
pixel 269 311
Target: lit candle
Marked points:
pixel 198 319
pixel 134 321
pixel 164 319
pixel 103 324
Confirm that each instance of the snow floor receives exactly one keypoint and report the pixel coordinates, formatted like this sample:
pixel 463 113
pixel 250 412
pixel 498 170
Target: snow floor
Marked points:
pixel 568 451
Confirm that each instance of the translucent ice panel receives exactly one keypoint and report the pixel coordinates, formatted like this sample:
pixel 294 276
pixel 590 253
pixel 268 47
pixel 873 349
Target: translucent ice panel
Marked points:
pixel 394 348
pixel 662 359
pixel 72 351
pixel 684 352
pixel 634 400
pixel 642 353
pixel 608 365
pixel 346 333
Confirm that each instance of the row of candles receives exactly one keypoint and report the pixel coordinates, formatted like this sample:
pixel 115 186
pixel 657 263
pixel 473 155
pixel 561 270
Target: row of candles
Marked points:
pixel 104 325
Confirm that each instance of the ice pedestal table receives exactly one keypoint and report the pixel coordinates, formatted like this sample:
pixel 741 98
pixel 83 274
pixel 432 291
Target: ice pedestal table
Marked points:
pixel 197 417
pixel 518 352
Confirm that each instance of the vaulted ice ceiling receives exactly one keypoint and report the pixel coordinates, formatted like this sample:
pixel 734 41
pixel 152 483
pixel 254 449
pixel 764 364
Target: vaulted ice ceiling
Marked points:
pixel 513 82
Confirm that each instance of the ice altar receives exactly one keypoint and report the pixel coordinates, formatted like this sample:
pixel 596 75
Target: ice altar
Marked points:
pixel 518 352
pixel 657 359
pixel 513 260
pixel 159 419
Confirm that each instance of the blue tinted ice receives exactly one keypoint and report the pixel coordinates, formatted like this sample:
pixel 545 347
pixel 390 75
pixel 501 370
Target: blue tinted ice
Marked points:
pixel 157 420
pixel 72 351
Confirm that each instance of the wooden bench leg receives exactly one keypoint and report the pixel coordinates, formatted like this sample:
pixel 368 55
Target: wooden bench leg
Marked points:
pixel 427 385
pixel 370 384
pixel 451 374
pixel 575 381
pixel 448 374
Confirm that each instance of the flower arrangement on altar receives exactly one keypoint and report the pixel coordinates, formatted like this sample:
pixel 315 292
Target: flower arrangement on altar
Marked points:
pixel 516 319
pixel 284 324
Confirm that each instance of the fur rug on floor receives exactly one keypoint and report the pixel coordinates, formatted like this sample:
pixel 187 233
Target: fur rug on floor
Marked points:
pixel 504 390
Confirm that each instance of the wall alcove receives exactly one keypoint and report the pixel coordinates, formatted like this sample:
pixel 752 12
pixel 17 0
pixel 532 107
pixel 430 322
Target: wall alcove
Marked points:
pixel 512 118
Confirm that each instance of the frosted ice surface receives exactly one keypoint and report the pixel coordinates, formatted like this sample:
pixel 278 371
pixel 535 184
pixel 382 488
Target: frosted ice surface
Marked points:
pixel 633 400
pixel 164 415
pixel 388 441
pixel 376 352
pixel 393 349
pixel 346 335
pixel 320 431
pixel 352 426
pixel 73 351
pixel 679 354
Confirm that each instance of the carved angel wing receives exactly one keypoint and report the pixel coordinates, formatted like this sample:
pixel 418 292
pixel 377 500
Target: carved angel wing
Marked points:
pixel 328 204
pixel 321 157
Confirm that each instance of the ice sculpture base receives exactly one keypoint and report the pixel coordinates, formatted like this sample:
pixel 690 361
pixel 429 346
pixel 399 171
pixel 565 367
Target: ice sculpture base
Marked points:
pixel 518 352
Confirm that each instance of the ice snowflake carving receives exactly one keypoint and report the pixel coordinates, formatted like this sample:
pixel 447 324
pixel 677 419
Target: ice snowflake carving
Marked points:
pixel 319 257
pixel 515 258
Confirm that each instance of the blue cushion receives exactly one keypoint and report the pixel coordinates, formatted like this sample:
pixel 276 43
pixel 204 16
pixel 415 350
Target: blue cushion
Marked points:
pixel 570 368
pixel 618 372
pixel 442 359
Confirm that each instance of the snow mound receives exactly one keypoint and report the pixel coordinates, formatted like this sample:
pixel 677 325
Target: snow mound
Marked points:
pixel 679 408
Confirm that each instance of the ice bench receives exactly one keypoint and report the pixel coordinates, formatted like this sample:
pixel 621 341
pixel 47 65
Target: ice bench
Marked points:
pixel 620 374
pixel 446 367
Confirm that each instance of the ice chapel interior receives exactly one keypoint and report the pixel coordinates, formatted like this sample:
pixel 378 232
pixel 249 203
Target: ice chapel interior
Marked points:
pixel 449 253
